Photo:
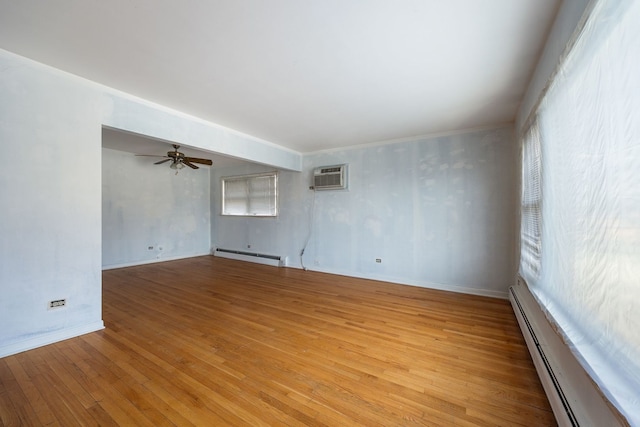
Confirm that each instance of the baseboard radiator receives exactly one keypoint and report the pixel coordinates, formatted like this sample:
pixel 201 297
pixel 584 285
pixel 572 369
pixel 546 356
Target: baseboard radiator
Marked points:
pixel 266 259
pixel 574 397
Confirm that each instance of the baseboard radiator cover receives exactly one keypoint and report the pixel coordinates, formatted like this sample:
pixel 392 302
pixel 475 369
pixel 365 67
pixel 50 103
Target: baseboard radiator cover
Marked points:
pixel 266 259
pixel 574 397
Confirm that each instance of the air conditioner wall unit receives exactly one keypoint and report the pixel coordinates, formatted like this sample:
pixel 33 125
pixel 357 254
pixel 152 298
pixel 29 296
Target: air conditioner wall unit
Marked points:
pixel 330 178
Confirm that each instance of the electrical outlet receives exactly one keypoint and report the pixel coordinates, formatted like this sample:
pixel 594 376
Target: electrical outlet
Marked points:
pixel 57 303
pixel 378 260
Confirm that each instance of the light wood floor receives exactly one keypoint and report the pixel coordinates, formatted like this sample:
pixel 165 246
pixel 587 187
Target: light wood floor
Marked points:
pixel 214 342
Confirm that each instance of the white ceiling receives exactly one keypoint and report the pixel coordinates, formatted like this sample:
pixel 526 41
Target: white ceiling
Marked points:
pixel 304 74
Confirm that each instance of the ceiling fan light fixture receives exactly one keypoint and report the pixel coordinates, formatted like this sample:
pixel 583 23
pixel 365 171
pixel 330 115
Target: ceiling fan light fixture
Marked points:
pixel 179 160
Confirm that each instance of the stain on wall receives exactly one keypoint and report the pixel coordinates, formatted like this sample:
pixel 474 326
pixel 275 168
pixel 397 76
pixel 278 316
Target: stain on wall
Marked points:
pixel 150 213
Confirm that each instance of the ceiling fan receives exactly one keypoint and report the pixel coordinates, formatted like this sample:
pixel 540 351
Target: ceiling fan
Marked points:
pixel 179 160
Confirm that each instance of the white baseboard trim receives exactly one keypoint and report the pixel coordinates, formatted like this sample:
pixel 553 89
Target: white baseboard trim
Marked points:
pixel 421 284
pixel 152 261
pixel 49 338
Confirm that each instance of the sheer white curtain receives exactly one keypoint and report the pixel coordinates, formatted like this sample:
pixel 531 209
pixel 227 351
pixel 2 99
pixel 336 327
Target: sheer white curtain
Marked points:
pixel 586 269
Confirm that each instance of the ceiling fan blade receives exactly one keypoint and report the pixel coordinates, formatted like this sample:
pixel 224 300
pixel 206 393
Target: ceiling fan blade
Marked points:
pixel 161 162
pixel 197 160
pixel 186 162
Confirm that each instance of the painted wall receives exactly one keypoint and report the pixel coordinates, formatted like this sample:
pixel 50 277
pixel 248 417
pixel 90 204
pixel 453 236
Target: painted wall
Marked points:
pixel 50 192
pixel 146 205
pixel 50 198
pixel 438 212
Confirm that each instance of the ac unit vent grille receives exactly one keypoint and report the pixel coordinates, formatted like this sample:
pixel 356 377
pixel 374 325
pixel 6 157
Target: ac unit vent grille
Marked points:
pixel 330 177
pixel 329 180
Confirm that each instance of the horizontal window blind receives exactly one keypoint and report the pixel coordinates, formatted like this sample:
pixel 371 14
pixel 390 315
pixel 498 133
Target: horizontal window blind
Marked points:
pixel 531 200
pixel 250 195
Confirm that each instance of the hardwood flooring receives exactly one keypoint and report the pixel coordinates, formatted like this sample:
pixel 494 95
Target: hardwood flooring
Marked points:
pixel 213 342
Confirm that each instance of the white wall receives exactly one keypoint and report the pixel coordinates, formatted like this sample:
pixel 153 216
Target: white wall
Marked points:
pixel 50 198
pixel 439 212
pixel 146 205
pixel 50 192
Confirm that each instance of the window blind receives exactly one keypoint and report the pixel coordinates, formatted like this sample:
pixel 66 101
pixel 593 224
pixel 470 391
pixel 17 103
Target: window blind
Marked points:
pixel 250 195
pixel 531 200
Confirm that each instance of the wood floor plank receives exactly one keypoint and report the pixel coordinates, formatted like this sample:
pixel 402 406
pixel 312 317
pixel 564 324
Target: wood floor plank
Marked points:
pixel 34 398
pixel 210 341
pixel 20 413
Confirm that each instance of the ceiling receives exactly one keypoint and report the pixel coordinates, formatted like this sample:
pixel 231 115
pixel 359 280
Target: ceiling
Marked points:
pixel 307 75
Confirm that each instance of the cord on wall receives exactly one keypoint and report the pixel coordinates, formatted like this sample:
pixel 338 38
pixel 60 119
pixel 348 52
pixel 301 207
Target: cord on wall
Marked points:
pixel 311 215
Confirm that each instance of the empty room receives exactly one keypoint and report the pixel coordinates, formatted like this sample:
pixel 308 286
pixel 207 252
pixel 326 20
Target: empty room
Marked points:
pixel 320 213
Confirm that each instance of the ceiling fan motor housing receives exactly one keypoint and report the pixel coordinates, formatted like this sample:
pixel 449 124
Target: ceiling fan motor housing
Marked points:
pixel 179 160
pixel 175 154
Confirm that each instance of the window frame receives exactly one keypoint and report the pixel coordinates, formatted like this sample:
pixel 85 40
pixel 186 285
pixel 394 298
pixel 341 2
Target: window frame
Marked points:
pixel 531 202
pixel 248 178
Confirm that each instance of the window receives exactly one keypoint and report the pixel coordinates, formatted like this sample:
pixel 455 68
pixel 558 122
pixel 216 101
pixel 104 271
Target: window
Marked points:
pixel 250 195
pixel 530 244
